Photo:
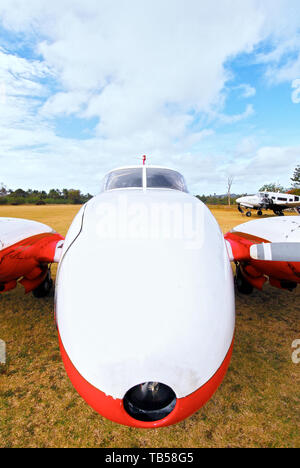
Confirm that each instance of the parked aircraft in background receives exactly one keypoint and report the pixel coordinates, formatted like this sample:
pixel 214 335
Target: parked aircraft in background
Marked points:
pixel 277 202
pixel 144 337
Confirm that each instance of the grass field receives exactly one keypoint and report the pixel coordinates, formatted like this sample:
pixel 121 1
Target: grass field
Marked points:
pixel 258 404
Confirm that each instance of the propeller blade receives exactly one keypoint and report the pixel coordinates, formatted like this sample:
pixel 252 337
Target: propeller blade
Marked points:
pixel 276 252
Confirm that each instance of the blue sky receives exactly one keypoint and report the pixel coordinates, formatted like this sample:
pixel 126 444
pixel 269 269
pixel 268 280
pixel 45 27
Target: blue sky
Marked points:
pixel 212 90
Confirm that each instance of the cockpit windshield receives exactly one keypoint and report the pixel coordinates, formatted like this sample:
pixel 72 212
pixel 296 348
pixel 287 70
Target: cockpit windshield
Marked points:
pixel 165 178
pixel 124 178
pixel 153 177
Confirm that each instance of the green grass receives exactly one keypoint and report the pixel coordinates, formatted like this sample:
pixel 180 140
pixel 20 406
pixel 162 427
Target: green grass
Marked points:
pixel 256 406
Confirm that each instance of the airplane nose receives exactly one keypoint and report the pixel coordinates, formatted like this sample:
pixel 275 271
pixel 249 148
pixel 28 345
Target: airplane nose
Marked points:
pixel 154 399
pixel 128 286
pixel 150 401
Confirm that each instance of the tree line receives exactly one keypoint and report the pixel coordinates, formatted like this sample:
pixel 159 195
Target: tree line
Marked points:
pixel 219 199
pixel 75 197
pixel 41 197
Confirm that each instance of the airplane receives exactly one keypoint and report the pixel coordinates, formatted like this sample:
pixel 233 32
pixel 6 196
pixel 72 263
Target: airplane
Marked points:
pixel 275 201
pixel 144 338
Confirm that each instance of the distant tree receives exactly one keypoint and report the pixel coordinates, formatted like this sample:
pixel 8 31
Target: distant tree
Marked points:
pixel 229 185
pixel 74 196
pixel 296 177
pixel 295 191
pixel 55 194
pixel 217 199
pixel 3 190
pixel 35 197
pixel 19 193
pixel 273 187
pixel 65 193
pixel 86 198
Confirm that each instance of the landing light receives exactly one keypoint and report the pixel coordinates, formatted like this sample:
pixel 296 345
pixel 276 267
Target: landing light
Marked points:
pixel 150 401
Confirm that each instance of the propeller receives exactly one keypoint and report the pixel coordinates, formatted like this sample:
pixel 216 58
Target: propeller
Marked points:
pixel 276 252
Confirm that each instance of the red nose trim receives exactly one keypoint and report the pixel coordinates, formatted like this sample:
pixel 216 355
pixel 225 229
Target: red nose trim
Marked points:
pixel 113 409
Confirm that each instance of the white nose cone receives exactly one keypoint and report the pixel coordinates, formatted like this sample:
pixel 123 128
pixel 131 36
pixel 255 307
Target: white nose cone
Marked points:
pixel 145 292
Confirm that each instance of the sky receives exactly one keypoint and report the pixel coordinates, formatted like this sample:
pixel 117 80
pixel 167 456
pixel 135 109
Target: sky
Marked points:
pixel 210 88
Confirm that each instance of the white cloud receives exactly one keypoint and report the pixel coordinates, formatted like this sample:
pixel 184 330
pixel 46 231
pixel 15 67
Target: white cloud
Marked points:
pixel 229 119
pixel 284 73
pixel 264 165
pixel 148 71
pixel 65 104
pixel 283 55
pixel 128 62
pixel 21 90
pixel 21 76
pixel 247 91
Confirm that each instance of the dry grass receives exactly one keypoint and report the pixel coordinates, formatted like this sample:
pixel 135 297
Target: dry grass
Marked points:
pixel 256 406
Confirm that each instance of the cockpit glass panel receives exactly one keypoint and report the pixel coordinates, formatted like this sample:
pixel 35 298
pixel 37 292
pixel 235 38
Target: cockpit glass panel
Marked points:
pixel 132 177
pixel 124 178
pixel 166 179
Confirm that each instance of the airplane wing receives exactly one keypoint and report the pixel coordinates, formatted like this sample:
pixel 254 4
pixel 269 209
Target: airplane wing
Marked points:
pixel 267 249
pixel 26 249
pixel 262 231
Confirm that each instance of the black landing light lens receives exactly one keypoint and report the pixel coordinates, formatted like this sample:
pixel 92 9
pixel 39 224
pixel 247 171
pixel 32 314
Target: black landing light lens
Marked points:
pixel 150 401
